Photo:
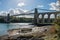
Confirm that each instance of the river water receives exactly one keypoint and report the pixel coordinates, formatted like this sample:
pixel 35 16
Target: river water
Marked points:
pixel 4 27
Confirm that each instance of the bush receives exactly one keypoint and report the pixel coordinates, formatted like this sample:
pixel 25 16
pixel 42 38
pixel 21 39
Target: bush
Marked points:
pixel 57 25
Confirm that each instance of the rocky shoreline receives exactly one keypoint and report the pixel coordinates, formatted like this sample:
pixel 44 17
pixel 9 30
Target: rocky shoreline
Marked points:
pixel 36 33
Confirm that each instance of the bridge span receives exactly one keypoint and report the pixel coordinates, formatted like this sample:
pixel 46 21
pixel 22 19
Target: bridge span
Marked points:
pixel 36 16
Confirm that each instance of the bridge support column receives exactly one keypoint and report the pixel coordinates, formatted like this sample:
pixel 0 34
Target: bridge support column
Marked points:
pixel 36 17
pixel 48 18
pixel 55 16
pixel 42 18
pixel 8 18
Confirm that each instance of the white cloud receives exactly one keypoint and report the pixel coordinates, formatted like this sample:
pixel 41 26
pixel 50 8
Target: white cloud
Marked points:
pixel 3 13
pixel 25 10
pixel 40 6
pixel 27 16
pixel 21 4
pixel 16 11
pixel 55 6
pixel 11 11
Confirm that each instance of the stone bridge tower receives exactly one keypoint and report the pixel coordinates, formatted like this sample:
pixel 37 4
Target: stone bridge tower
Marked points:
pixel 36 17
pixel 8 18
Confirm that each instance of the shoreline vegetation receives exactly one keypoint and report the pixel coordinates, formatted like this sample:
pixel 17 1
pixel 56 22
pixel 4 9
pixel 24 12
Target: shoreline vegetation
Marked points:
pixel 57 26
pixel 22 20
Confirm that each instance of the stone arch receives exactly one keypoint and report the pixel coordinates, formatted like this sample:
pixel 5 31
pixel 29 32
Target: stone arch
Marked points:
pixel 46 16
pixel 52 16
pixel 58 15
pixel 40 16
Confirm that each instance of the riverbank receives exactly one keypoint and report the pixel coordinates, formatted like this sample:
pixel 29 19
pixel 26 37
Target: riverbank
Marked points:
pixel 5 26
pixel 36 32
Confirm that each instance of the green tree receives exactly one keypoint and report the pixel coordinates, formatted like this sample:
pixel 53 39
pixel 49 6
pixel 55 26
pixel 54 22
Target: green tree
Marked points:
pixel 57 25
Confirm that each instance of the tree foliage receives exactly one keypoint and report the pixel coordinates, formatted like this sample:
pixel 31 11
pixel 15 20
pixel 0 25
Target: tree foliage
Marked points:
pixel 57 22
pixel 57 25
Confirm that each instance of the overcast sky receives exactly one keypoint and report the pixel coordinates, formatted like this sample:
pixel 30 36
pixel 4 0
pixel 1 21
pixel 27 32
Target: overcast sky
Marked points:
pixel 14 6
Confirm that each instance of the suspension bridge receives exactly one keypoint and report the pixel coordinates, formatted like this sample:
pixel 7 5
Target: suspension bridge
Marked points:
pixel 36 15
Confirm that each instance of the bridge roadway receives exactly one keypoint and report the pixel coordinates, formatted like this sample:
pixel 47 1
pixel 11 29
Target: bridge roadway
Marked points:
pixel 58 12
pixel 36 16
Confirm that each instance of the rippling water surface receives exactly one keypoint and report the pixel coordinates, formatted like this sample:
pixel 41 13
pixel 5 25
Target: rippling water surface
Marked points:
pixel 4 27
